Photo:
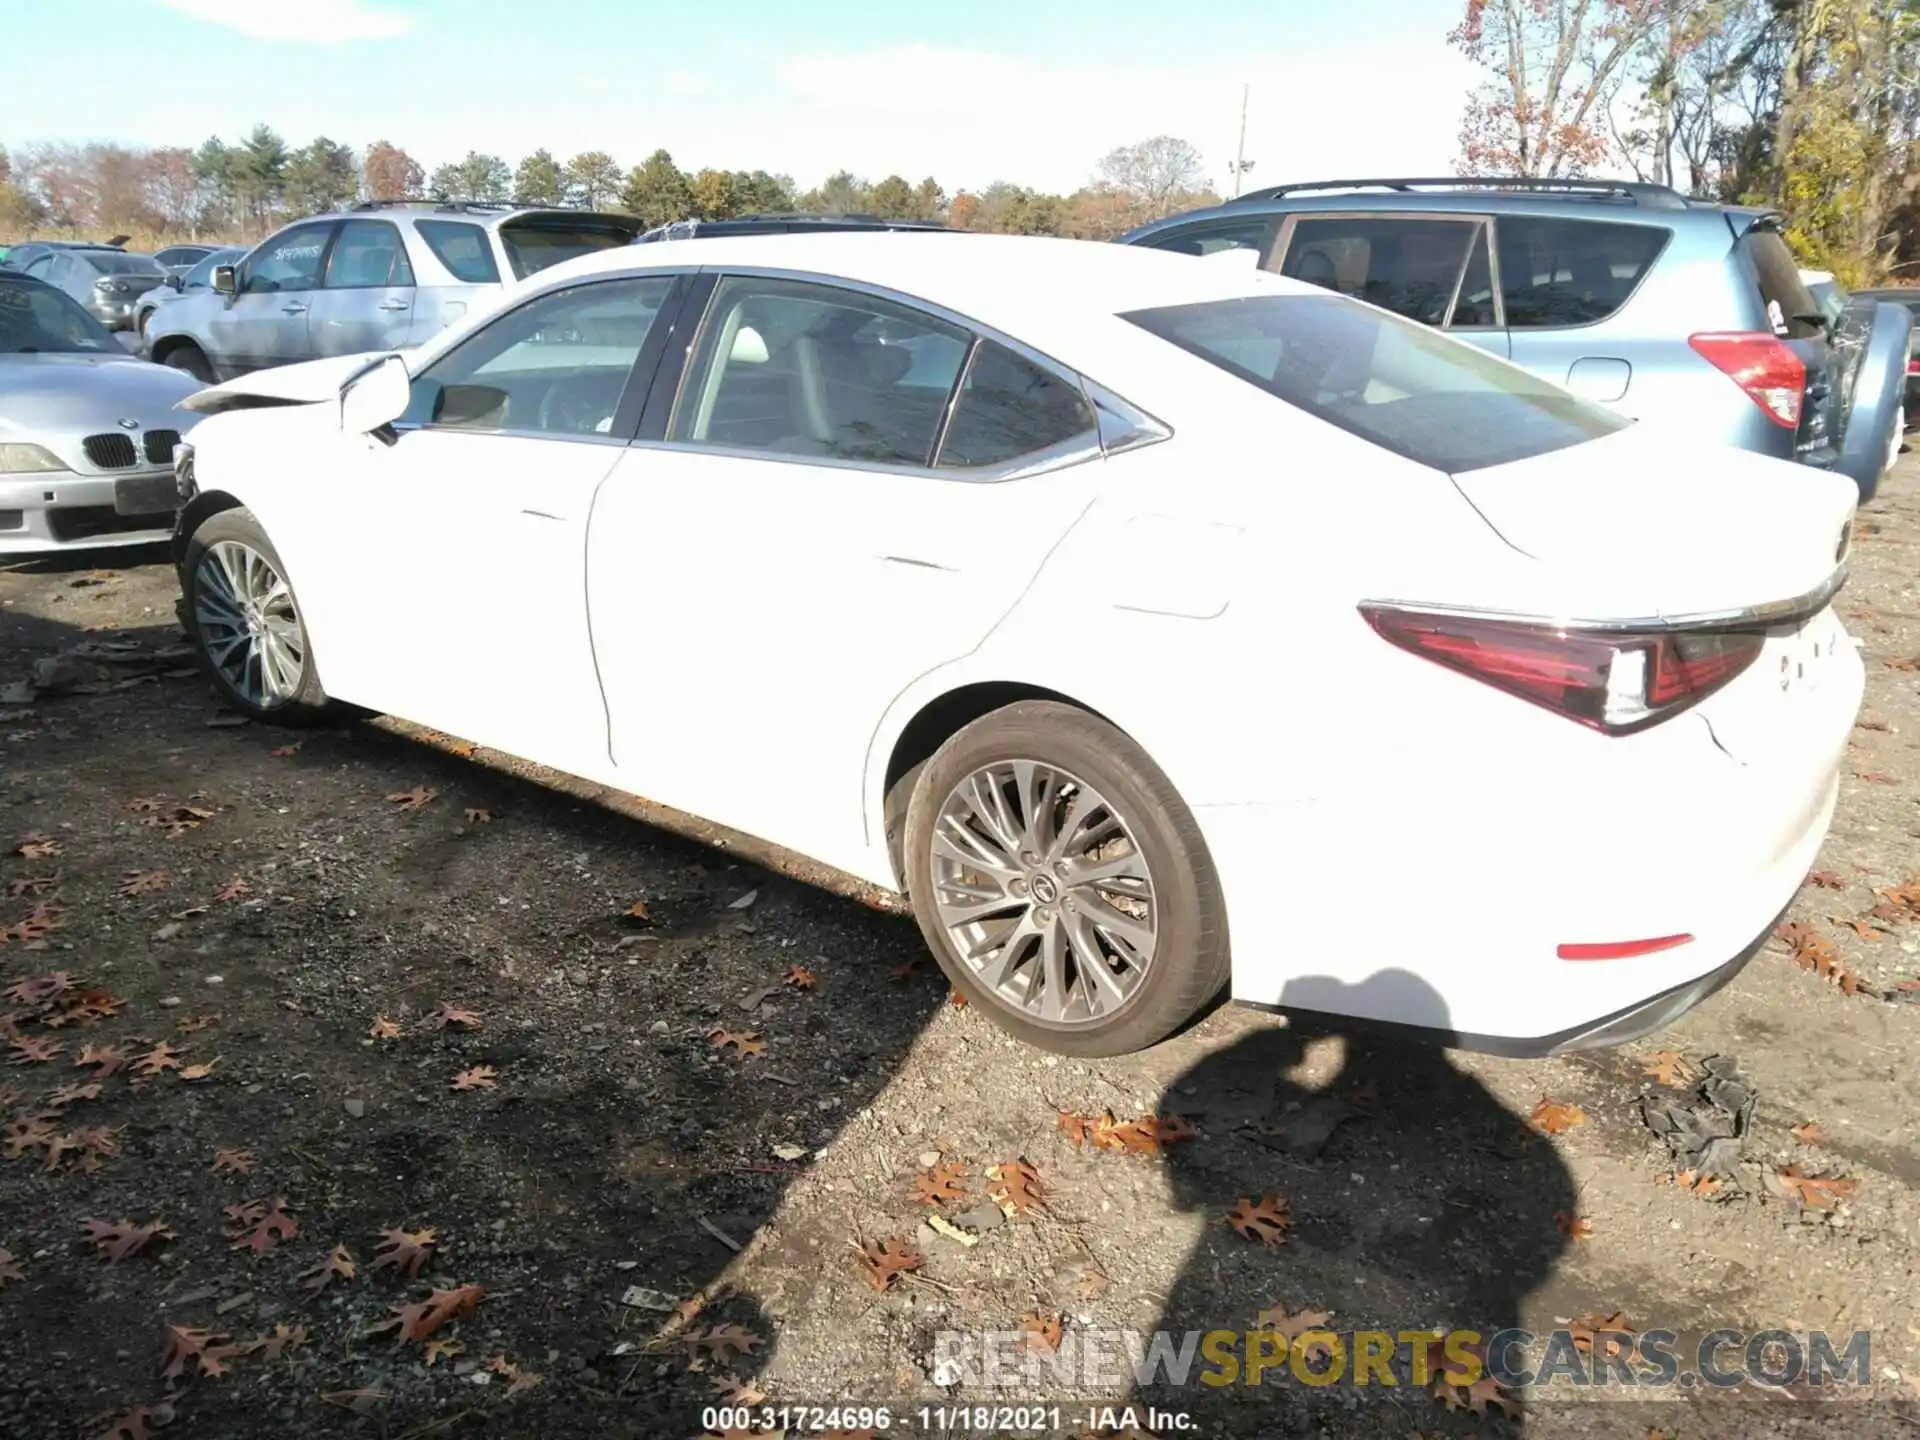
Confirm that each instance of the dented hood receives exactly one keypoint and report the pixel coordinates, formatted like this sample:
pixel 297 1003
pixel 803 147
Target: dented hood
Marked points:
pixel 307 383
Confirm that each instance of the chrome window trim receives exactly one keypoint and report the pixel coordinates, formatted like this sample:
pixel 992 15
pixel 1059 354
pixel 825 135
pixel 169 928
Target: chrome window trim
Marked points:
pixel 1021 469
pixel 557 436
pixel 1742 617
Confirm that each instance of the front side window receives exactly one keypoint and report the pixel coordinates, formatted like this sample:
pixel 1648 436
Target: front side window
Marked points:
pixel 1254 234
pixel 1408 389
pixel 1009 408
pixel 462 248
pixel 556 366
pixel 290 261
pixel 1409 266
pixel 1555 273
pixel 795 368
pixel 37 319
pixel 201 275
pixel 367 254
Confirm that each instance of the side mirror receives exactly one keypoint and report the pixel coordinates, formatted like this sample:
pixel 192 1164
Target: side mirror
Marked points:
pixel 224 281
pixel 376 397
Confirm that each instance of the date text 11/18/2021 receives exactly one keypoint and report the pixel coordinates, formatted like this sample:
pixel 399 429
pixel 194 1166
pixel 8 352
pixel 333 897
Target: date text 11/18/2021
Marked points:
pixel 940 1419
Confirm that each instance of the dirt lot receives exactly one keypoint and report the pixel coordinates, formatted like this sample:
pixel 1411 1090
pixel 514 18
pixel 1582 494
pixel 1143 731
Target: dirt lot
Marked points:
pixel 263 904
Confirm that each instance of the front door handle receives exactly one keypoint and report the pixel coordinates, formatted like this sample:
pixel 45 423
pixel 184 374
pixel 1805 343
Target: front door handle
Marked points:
pixel 393 304
pixel 294 309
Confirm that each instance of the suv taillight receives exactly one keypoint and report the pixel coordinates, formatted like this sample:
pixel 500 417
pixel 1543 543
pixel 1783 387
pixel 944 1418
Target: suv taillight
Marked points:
pixel 1763 365
pixel 1614 682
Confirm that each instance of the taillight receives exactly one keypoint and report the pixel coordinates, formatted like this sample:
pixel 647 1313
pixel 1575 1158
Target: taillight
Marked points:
pixel 1763 365
pixel 1616 682
pixel 1913 364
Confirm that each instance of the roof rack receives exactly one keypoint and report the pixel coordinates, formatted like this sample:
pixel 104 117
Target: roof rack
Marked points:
pixel 1637 192
pixel 438 202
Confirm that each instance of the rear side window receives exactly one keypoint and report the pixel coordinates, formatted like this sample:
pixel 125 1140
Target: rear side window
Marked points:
pixel 1010 407
pixel 1254 234
pixel 1409 266
pixel 793 368
pixel 462 248
pixel 1556 273
pixel 1407 389
pixel 367 255
pixel 1783 294
pixel 533 247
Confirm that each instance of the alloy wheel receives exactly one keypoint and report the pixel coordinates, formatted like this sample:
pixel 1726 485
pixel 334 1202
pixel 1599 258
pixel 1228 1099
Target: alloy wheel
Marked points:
pixel 248 625
pixel 1043 891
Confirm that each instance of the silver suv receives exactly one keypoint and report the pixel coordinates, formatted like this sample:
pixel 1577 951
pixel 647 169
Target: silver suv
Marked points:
pixel 1668 309
pixel 382 276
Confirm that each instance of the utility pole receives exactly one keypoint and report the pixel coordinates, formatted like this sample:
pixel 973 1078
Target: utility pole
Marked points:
pixel 1240 162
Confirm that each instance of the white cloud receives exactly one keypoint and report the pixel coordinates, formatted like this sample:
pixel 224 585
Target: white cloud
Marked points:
pixel 324 21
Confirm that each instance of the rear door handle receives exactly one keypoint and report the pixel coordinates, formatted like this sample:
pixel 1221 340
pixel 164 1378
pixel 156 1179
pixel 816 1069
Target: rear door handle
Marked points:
pixel 393 305
pixel 294 309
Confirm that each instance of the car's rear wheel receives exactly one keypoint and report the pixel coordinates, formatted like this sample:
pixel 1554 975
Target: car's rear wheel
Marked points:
pixel 244 620
pixel 1062 883
pixel 189 359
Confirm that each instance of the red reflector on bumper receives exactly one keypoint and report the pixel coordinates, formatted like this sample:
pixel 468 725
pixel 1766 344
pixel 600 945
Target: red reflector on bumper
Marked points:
pixel 1623 949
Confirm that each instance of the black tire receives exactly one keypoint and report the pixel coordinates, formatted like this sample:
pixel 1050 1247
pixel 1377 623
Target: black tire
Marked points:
pixel 308 704
pixel 1190 960
pixel 189 359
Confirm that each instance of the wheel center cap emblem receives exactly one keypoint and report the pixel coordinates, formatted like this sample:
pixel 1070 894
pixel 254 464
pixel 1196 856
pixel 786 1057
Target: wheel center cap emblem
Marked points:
pixel 1044 890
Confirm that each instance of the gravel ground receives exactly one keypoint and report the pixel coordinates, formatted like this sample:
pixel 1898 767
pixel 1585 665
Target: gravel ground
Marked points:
pixel 660 1217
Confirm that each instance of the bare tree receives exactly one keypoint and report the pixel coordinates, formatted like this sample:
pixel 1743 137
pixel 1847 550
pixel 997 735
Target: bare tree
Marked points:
pixel 1152 178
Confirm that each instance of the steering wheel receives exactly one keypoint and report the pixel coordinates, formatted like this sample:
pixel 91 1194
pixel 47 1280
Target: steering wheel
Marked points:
pixel 580 404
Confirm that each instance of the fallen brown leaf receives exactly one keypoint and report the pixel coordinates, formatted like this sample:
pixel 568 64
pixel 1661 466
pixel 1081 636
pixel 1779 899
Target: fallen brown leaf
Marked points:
pixel 72 1094
pixel 1265 1220
pixel 480 1077
pixel 1813 1192
pixel 1810 1133
pixel 233 1162
pixel 479 815
pixel 1015 1186
pixel 339 1265
pixel 412 799
pixel 1826 880
pixel 284 1337
pixel 384 1029
pixel 34 1049
pixel 882 1260
pixel 143 882
pixel 234 889
pixel 940 1184
pixel 420 1320
pixel 161 1058
pixel 746 1043
pixel 136 1424
pixel 9 1268
pixel 444 1015
pixel 403 1250
pixel 1574 1227
pixel 1550 1117
pixel 259 1226
pixel 32 885
pixel 519 1379
pixel 284 752
pixel 801 978
pixel 36 846
pixel 199 1072
pixel 115 1242
pixel 1042 1332
pixel 438 1349
pixel 1668 1067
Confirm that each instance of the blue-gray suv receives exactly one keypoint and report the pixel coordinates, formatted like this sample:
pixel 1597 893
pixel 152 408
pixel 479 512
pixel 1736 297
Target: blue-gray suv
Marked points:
pixel 1666 308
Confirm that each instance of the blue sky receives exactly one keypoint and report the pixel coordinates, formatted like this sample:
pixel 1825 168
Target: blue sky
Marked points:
pixel 969 91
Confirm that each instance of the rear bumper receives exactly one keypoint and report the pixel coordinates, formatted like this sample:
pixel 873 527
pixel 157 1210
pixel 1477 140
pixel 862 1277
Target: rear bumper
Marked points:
pixel 40 514
pixel 1430 888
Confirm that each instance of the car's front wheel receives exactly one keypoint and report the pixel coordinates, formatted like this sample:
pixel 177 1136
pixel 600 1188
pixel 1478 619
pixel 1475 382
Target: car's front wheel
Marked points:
pixel 189 359
pixel 1062 883
pixel 244 620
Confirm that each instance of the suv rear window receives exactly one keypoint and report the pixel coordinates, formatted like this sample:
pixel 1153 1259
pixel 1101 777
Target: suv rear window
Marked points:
pixel 462 248
pixel 1782 292
pixel 1406 388
pixel 1555 273
pixel 533 246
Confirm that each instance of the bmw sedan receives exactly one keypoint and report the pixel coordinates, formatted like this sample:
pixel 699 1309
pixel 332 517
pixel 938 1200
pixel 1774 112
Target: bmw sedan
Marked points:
pixel 87 432
pixel 1151 627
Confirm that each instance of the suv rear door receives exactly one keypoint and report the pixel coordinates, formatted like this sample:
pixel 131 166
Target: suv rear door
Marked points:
pixel 366 298
pixel 1436 269
pixel 1789 310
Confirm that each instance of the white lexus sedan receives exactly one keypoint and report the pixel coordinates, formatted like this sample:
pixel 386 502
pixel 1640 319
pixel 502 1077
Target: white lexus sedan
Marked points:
pixel 1155 626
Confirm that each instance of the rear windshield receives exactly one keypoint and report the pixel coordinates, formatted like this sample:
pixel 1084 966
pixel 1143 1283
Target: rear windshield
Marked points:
pixel 1790 307
pixel 1404 387
pixel 533 247
pixel 112 262
pixel 38 319
pixel 462 248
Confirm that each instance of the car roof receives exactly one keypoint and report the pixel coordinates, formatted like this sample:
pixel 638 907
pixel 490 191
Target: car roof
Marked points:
pixel 994 278
pixel 485 213
pixel 1617 201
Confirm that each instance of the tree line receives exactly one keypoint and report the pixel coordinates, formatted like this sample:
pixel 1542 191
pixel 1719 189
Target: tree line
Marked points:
pixel 1811 106
pixel 243 189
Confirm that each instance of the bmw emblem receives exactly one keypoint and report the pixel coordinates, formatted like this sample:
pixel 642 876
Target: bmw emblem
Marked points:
pixel 128 424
